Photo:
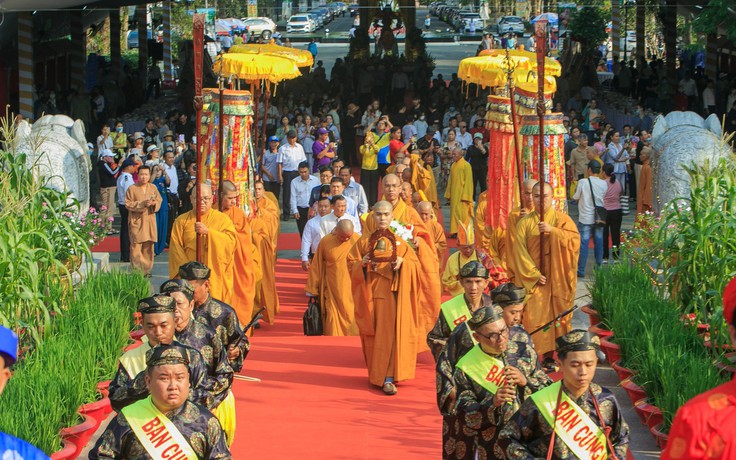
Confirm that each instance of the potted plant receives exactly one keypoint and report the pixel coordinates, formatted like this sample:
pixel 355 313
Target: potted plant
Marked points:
pixel 635 392
pixel 611 349
pixel 622 372
pixel 80 434
pixel 659 435
pixel 649 414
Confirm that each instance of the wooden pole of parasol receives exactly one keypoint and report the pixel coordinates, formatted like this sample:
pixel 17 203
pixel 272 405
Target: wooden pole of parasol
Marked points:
pixel 510 67
pixel 198 43
pixel 266 99
pixel 540 32
pixel 220 151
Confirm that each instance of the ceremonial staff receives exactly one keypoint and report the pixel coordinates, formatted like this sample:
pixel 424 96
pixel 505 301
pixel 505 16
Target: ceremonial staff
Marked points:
pixel 509 67
pixel 540 32
pixel 198 43
pixel 220 153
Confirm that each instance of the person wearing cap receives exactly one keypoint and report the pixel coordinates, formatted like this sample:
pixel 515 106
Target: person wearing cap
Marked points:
pixel 153 155
pixel 265 226
pixel 550 283
pixel 203 338
pixel 491 379
pixel 323 151
pixel 269 168
pixel 459 191
pixel 573 418
pixel 301 189
pixel 142 201
pixel 168 140
pixel 108 172
pixel 384 277
pixel 477 156
pixel 290 155
pixel 216 313
pixel 158 323
pixel 466 253
pixel 704 427
pixel 10 446
pixel 247 260
pixel 218 233
pixel 589 194
pixel 166 423
pixel 123 183
pixel 473 279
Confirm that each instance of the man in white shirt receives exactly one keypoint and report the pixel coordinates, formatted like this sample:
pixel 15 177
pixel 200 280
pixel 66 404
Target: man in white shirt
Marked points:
pixel 590 193
pixel 312 235
pixel 709 99
pixel 337 187
pixel 125 180
pixel 464 137
pixel 354 190
pixel 301 189
pixel 226 42
pixel 339 207
pixel 289 156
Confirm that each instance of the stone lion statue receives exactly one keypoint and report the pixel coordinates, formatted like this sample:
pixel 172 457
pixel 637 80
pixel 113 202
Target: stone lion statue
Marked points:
pixel 56 148
pixel 681 139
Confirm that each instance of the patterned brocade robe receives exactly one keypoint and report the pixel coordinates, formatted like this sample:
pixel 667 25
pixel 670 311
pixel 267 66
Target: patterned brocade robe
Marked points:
pixel 125 390
pixel 457 440
pixel 222 318
pixel 205 340
pixel 527 434
pixel 440 333
pixel 198 426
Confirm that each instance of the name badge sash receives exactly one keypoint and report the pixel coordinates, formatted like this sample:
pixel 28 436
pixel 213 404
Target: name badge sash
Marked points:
pixel 586 439
pixel 158 435
pixel 455 311
pixel 134 361
pixel 485 370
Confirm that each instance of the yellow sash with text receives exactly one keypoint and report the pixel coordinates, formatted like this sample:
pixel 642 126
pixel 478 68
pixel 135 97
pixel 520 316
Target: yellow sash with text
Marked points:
pixel 158 435
pixel 485 370
pixel 586 439
pixel 455 311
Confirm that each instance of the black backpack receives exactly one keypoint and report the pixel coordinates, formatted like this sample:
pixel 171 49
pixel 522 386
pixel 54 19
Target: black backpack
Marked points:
pixel 312 320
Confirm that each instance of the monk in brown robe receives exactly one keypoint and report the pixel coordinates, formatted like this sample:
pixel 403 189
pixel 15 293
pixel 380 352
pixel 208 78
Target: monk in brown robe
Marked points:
pixel 551 283
pixel 385 295
pixel 247 260
pixel 265 230
pixel 142 201
pixel 220 239
pixel 644 189
pixel 328 278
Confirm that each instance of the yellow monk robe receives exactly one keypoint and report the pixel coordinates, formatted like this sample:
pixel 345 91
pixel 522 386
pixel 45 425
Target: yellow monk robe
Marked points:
pixel 219 248
pixel 561 249
pixel 265 226
pixel 247 266
pixel 460 193
pixel 329 279
pixel 450 281
pixel 422 179
pixel 385 310
pixel 506 242
pixel 482 229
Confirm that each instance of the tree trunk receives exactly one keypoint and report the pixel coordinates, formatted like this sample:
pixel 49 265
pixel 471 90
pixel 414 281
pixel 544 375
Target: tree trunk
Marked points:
pixel 641 13
pixel 669 24
pixel 615 30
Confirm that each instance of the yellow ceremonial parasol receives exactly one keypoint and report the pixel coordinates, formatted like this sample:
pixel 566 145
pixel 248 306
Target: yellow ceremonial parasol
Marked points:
pixel 526 80
pixel 471 70
pixel 303 58
pixel 256 67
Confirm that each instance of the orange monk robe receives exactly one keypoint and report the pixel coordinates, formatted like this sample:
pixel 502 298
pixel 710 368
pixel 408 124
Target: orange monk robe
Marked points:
pixel 561 250
pixel 329 279
pixel 439 238
pixel 265 228
pixel 505 241
pixel 460 193
pixel 385 310
pixel 247 266
pixel 219 247
pixel 483 231
pixel 644 189
pixel 275 201
pixel 430 291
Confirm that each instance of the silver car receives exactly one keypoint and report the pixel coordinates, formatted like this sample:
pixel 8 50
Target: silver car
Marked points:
pixel 513 24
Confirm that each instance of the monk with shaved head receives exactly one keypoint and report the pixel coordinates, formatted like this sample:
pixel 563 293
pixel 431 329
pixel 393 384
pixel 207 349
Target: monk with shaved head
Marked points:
pixel 384 271
pixel 329 279
pixel 551 282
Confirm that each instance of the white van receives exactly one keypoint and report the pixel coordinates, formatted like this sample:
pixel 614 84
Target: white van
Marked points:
pixel 299 23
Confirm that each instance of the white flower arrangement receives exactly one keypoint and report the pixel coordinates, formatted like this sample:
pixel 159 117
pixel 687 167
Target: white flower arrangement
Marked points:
pixel 403 231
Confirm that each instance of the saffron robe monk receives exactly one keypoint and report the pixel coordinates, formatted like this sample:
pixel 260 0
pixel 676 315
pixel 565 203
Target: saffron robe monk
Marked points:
pixel 246 259
pixel 551 286
pixel 460 190
pixel 328 278
pixel 386 302
pixel 427 214
pixel 504 240
pixel 220 239
pixel 265 233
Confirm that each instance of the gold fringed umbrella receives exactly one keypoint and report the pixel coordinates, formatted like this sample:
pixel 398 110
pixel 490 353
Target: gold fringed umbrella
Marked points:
pixel 471 69
pixel 303 58
pixel 256 67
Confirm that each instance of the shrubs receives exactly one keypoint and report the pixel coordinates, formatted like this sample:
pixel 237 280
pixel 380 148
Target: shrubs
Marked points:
pixel 670 358
pixel 81 349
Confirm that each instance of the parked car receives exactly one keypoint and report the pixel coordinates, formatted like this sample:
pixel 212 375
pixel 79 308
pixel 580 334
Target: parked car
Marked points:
pixel 512 24
pixel 434 8
pixel 472 18
pixel 324 13
pixel 315 18
pixel 299 23
pixel 133 38
pixel 353 9
pixel 260 26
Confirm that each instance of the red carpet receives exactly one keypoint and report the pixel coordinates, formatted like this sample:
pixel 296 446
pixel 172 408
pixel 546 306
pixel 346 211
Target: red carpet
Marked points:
pixel 108 244
pixel 314 400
